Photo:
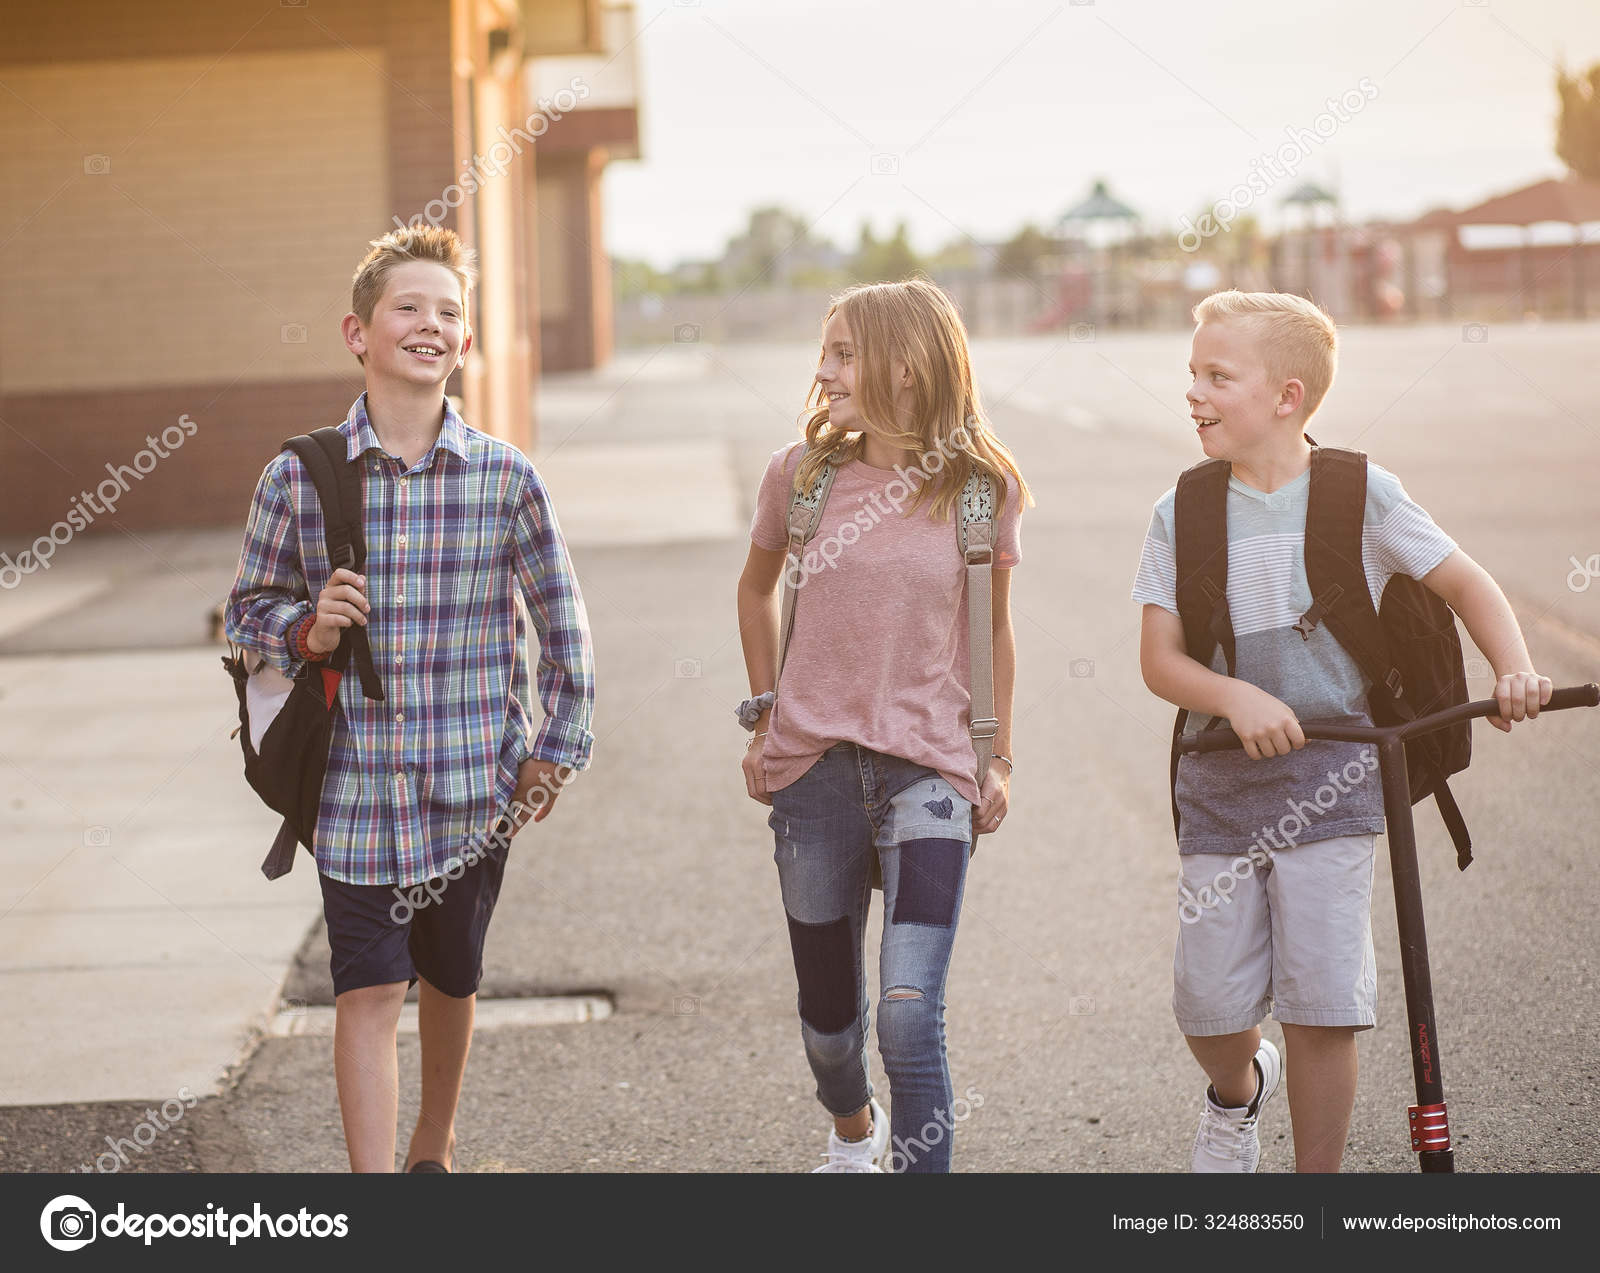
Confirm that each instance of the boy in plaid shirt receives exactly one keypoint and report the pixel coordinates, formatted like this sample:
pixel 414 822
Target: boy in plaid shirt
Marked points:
pixel 424 788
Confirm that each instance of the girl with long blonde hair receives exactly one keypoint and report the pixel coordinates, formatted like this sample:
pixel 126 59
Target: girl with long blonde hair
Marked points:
pixel 864 748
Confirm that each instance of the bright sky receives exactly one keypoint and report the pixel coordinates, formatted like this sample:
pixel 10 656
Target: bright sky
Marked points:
pixel 1004 111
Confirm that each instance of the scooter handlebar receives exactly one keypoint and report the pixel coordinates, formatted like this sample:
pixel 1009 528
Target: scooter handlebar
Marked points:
pixel 1570 696
pixel 1573 696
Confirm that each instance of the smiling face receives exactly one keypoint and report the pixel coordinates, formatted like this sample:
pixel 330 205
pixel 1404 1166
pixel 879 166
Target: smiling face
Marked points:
pixel 836 373
pixel 840 376
pixel 418 334
pixel 1238 407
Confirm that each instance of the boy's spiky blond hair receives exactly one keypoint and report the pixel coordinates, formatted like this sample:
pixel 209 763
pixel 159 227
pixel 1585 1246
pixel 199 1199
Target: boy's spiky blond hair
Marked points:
pixel 412 243
pixel 1298 339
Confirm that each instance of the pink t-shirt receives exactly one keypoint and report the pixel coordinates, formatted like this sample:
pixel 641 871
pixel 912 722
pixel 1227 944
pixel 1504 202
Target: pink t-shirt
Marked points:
pixel 878 655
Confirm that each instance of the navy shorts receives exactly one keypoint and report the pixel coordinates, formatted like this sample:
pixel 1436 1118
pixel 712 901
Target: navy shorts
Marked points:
pixel 381 933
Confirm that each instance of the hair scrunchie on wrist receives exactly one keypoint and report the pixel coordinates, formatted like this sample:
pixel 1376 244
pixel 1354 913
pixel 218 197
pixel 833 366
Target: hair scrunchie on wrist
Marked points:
pixel 749 711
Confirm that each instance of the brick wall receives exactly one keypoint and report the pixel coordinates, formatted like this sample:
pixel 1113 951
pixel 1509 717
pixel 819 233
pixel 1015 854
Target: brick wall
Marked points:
pixel 253 149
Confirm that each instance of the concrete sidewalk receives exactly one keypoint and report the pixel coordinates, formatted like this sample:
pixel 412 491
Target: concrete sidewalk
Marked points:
pixel 141 952
pixel 139 948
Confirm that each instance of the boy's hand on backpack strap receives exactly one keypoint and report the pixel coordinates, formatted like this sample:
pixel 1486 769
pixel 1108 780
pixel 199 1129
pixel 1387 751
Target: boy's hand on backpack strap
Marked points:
pixel 1520 695
pixel 342 603
pixel 1266 725
pixel 539 782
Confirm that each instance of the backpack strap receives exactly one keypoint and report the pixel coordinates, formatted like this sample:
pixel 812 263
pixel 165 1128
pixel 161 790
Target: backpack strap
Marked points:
pixel 1337 577
pixel 1200 529
pixel 1200 526
pixel 1450 811
pixel 976 538
pixel 338 485
pixel 805 515
pixel 280 857
pixel 1335 513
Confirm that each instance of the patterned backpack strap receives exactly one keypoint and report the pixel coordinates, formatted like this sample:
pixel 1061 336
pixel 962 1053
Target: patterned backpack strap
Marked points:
pixel 976 539
pixel 977 503
pixel 805 514
pixel 806 506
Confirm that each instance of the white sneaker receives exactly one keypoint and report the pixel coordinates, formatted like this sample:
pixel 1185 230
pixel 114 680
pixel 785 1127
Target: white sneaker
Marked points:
pixel 858 1155
pixel 1227 1139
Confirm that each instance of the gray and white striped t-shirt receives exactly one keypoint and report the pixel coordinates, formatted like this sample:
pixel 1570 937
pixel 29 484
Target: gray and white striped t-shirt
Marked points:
pixel 1228 803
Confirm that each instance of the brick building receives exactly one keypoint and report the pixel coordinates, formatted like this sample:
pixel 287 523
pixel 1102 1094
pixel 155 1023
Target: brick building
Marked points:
pixel 187 185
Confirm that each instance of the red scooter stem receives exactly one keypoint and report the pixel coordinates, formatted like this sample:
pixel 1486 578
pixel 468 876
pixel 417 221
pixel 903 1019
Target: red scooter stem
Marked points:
pixel 1429 1124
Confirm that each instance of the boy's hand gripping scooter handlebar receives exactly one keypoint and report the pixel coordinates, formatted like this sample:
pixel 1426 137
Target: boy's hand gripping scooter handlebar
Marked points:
pixel 1429 1124
pixel 1227 740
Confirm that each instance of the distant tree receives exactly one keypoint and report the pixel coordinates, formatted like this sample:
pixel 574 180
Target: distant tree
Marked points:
pixel 637 278
pixel 1020 254
pixel 773 246
pixel 815 276
pixel 708 283
pixel 1578 127
pixel 958 254
pixel 887 260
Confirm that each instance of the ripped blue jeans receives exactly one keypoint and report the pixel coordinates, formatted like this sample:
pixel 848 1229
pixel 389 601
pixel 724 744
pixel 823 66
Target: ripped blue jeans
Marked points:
pixel 828 823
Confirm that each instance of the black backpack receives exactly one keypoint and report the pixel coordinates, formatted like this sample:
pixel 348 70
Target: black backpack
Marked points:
pixel 285 725
pixel 1408 647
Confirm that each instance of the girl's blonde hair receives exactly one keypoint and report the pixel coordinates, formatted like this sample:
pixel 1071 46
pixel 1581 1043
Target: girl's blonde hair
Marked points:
pixel 916 323
pixel 1298 340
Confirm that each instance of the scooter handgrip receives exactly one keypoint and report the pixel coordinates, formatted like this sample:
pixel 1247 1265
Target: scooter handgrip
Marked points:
pixel 1574 696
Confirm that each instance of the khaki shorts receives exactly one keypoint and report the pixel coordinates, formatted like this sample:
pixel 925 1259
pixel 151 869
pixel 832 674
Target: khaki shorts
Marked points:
pixel 1286 931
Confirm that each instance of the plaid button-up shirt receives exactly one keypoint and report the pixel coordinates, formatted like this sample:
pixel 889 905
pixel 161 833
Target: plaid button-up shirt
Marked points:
pixel 451 541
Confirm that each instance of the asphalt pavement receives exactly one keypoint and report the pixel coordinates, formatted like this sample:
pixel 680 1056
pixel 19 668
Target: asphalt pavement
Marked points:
pixel 651 883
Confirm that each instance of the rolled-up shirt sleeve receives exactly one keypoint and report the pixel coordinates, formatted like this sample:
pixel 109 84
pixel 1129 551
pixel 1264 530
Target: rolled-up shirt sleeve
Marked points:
pixel 269 591
pixel 566 654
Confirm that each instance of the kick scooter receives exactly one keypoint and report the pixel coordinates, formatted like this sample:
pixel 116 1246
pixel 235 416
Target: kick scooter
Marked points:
pixel 1429 1124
